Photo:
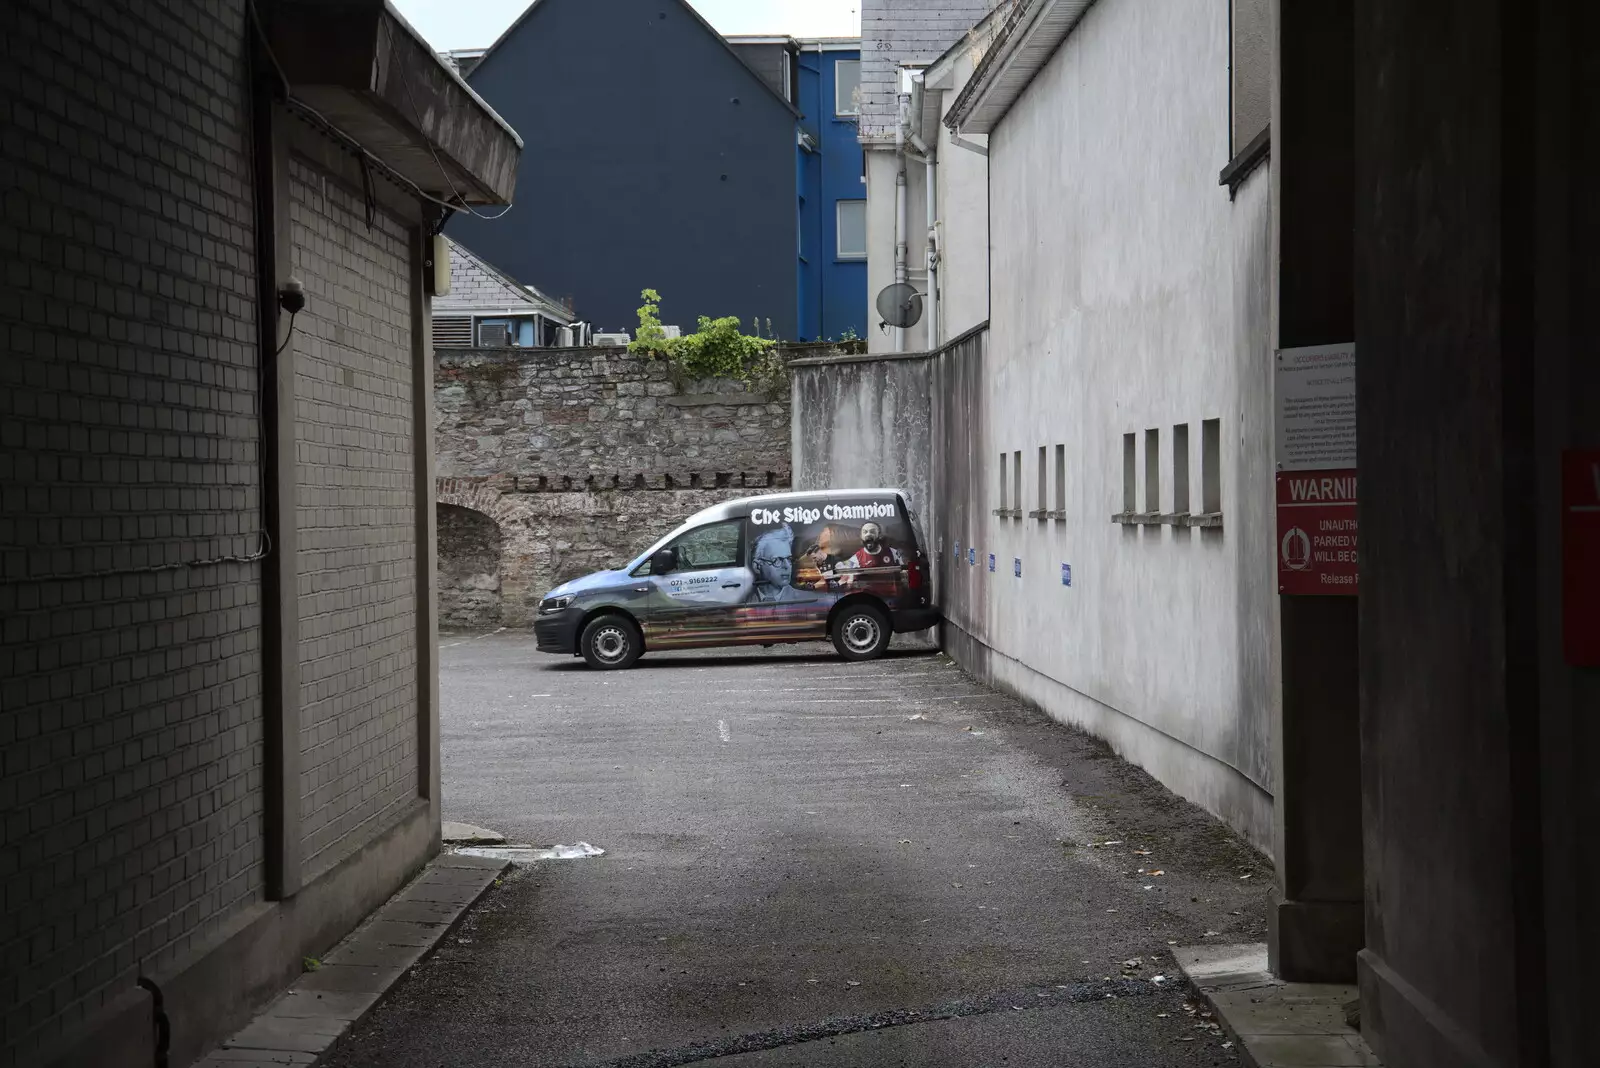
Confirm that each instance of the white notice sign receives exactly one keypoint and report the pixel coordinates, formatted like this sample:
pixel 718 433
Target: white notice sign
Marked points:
pixel 1316 409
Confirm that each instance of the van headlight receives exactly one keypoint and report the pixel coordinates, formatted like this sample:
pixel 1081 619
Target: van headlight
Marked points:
pixel 553 604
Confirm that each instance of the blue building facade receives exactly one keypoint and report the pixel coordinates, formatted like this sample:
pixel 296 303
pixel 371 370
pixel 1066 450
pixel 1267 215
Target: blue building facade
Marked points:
pixel 831 208
pixel 656 157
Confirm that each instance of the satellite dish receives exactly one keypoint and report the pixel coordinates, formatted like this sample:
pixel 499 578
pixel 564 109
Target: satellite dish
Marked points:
pixel 900 304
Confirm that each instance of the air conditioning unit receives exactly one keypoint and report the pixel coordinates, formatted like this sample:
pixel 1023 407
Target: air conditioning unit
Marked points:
pixel 611 339
pixel 493 335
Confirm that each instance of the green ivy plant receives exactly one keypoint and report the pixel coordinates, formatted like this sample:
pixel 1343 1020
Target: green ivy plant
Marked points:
pixel 718 349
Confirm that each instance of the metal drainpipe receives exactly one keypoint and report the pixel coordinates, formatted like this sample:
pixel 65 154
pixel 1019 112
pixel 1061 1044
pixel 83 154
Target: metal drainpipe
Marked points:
pixel 930 199
pixel 933 253
pixel 902 221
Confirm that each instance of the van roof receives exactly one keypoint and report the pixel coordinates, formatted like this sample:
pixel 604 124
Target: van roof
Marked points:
pixel 730 509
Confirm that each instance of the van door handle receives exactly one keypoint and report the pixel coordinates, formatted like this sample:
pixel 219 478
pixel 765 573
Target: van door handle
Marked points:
pixel 732 585
pixel 641 589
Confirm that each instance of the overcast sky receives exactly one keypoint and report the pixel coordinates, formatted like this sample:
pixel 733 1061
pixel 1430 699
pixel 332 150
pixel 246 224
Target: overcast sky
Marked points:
pixel 476 23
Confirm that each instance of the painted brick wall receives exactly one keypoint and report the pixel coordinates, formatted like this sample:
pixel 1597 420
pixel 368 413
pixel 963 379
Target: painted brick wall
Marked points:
pixel 356 516
pixel 130 718
pixel 894 32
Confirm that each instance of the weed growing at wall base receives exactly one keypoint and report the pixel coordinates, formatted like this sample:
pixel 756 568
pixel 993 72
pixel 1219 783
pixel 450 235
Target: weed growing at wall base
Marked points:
pixel 718 349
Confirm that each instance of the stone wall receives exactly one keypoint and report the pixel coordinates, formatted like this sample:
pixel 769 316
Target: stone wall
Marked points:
pixel 582 457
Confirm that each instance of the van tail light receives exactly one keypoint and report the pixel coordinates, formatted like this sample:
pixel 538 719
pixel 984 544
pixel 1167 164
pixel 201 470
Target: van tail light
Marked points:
pixel 914 575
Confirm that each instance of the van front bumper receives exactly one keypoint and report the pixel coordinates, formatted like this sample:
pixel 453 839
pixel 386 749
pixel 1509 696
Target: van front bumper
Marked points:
pixel 907 620
pixel 558 632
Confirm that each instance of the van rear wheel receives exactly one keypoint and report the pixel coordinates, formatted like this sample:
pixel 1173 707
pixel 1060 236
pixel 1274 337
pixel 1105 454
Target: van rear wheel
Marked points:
pixel 610 642
pixel 861 632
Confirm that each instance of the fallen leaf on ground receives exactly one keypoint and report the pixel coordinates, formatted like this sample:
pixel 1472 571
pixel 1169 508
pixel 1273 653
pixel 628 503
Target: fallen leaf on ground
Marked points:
pixel 852 982
pixel 1141 852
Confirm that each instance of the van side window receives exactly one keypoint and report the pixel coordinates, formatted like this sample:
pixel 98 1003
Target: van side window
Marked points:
pixel 713 545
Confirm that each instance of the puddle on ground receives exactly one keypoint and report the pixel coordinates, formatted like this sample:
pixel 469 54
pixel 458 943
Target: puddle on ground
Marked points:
pixel 522 854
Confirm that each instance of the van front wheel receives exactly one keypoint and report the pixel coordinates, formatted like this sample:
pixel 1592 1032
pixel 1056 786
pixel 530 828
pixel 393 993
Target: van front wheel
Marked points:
pixel 861 632
pixel 610 642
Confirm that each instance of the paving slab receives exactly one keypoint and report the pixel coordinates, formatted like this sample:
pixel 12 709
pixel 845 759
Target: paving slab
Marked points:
pixel 449 893
pixel 1276 1024
pixel 305 1021
pixel 370 954
pixel 323 1005
pixel 403 933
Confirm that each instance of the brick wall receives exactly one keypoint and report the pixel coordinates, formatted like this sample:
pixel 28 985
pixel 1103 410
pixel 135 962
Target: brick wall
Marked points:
pixel 356 518
pixel 130 718
pixel 582 457
pixel 894 32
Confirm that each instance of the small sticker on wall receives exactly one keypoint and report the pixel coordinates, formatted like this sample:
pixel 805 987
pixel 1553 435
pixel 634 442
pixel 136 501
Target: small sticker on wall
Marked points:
pixel 1066 574
pixel 1016 566
pixel 972 557
pixel 991 561
pixel 958 552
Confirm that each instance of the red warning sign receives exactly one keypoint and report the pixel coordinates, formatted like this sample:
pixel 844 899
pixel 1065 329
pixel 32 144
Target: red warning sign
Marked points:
pixel 1317 552
pixel 1580 553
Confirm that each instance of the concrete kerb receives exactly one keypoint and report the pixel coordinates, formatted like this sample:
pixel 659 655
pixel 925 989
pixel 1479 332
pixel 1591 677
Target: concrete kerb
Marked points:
pixel 306 1021
pixel 1274 1024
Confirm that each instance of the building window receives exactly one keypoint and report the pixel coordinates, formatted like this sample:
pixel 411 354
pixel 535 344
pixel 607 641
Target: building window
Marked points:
pixel 1016 484
pixel 847 87
pixel 1042 509
pixel 1250 33
pixel 1002 511
pixel 852 229
pixel 1211 466
pixel 1061 482
pixel 1152 471
pixel 1180 469
pixel 1130 468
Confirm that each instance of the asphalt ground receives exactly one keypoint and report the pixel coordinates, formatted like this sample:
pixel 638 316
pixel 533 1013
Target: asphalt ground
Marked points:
pixel 807 862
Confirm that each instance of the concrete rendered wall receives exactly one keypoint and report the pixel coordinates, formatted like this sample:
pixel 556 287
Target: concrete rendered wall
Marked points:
pixel 1129 293
pixel 866 423
pixel 962 199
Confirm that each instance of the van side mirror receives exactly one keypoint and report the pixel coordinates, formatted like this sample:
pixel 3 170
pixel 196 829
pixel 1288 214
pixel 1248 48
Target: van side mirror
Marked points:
pixel 663 561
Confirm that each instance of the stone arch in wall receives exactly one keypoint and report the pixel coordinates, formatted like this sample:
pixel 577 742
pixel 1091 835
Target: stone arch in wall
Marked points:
pixel 470 551
pixel 517 547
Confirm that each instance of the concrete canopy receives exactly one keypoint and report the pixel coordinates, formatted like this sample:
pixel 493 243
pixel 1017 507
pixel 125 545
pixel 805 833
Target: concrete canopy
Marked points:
pixel 363 69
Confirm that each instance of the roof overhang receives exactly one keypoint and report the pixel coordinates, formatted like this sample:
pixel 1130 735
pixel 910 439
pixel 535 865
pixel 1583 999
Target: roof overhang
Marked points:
pixel 829 44
pixel 1030 37
pixel 362 67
